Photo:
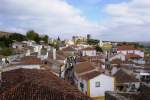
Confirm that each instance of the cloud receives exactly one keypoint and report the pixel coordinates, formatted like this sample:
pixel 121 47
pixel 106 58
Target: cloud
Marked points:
pixel 128 21
pixel 44 16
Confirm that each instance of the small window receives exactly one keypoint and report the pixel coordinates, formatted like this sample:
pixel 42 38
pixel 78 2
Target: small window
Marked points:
pixel 97 84
pixel 81 85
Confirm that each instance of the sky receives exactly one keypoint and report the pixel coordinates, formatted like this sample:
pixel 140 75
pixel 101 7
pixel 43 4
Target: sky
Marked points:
pixel 117 20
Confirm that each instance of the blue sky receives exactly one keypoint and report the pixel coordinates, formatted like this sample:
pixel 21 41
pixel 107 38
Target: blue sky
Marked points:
pixel 120 20
pixel 93 9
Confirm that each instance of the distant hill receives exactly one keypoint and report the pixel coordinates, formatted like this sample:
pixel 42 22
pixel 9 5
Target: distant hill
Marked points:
pixel 146 44
pixel 7 38
pixel 5 34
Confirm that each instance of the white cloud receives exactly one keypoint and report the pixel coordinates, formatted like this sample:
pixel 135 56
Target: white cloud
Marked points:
pixel 129 21
pixel 47 16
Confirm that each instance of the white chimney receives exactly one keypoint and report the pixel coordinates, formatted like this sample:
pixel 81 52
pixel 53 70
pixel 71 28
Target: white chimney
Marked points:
pixel 54 54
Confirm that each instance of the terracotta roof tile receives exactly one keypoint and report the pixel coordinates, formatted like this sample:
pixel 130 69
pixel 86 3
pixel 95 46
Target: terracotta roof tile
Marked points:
pixel 69 48
pixel 122 76
pixel 131 56
pixel 29 84
pixel 90 75
pixel 83 67
pixel 59 56
pixel 128 47
pixel 30 60
pixel 116 61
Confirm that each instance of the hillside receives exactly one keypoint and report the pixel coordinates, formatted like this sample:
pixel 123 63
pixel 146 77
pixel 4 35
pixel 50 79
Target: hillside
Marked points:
pixel 5 33
pixel 146 44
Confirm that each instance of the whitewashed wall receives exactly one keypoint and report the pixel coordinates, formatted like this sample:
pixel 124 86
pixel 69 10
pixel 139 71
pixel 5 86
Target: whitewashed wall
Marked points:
pixel 21 66
pixel 123 52
pixel 139 52
pixel 118 56
pixel 89 53
pixel 106 84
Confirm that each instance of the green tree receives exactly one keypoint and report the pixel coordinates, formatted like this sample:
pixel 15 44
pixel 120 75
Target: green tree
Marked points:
pixel 98 48
pixel 45 38
pixel 17 37
pixel 92 41
pixel 31 35
pixel 6 51
pixel 5 42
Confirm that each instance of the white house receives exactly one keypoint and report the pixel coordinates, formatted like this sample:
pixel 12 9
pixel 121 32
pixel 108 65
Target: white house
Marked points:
pixel 120 56
pixel 89 51
pixel 91 81
pixel 18 45
pixel 99 84
pixel 37 48
pixel 43 54
pixel 29 43
pixel 129 49
pixel 94 84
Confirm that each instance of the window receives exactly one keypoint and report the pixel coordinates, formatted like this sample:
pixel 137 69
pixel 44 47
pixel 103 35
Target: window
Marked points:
pixel 97 84
pixel 81 86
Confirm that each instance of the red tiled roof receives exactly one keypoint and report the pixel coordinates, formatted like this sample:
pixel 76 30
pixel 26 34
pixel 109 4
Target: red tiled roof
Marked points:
pixel 116 61
pixel 32 84
pixel 31 60
pixel 83 67
pixel 69 48
pixel 90 75
pixel 122 76
pixel 128 47
pixel 81 59
pixel 59 56
pixel 131 56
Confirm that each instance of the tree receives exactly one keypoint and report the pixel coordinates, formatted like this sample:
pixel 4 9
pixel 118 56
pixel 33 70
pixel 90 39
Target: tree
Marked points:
pixel 45 38
pixel 78 41
pixel 31 35
pixel 5 41
pixel 92 41
pixel 17 37
pixel 98 48
pixel 6 52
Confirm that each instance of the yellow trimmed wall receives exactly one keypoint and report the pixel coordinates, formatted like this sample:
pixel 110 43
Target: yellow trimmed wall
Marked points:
pixel 88 87
pixel 98 98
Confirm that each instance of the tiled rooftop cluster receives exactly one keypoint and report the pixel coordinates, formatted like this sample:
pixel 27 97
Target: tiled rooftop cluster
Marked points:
pixel 32 84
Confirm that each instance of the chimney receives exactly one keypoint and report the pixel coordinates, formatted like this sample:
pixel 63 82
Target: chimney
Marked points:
pixel 54 54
